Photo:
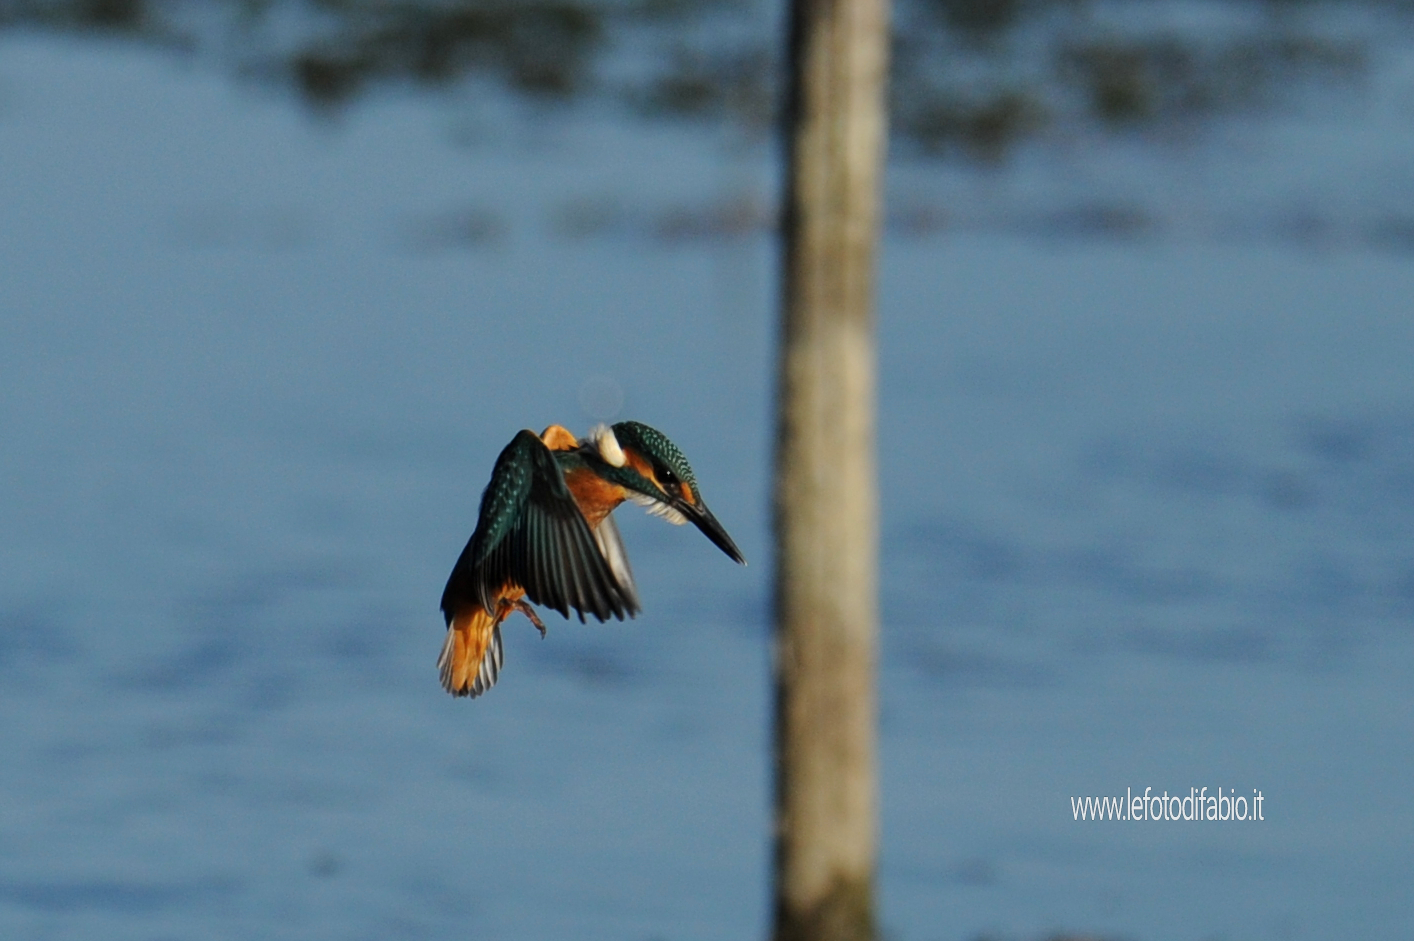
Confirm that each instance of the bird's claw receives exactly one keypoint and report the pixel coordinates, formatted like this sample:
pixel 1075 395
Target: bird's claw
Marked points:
pixel 529 612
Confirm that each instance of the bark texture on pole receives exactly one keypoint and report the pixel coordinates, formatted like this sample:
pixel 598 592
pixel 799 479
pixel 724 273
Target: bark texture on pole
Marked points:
pixel 825 490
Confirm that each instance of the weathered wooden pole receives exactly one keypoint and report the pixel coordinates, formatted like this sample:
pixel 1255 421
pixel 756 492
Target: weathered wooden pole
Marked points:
pixel 826 503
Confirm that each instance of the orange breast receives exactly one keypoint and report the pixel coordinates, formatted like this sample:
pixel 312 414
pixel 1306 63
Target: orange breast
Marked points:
pixel 596 496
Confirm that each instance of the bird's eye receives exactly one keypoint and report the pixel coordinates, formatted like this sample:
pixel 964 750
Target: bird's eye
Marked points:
pixel 666 476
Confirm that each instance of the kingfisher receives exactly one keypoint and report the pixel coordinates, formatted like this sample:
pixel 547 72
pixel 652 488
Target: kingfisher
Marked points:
pixel 545 534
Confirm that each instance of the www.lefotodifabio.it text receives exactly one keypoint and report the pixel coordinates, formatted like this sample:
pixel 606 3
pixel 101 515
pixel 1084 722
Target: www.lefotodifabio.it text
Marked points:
pixel 1197 805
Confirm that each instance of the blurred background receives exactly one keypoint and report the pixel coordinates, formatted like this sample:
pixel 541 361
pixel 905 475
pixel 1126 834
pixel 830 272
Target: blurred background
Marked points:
pixel 279 279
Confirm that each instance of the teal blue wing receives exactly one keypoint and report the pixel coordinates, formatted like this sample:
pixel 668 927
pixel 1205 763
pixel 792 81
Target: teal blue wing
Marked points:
pixel 530 533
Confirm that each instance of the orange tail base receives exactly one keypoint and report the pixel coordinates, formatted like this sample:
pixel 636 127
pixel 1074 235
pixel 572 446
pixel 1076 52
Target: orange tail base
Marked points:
pixel 470 662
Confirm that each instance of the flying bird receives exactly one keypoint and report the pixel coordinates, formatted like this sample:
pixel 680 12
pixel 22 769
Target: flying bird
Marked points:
pixel 544 535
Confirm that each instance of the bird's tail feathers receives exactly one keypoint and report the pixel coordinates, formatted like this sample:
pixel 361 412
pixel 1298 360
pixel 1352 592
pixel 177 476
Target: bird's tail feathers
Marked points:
pixel 470 662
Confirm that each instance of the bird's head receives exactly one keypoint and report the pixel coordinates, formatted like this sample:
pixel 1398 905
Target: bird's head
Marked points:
pixel 657 476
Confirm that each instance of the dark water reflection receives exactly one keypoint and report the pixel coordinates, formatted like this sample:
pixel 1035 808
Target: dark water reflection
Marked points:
pixel 970 78
pixel 118 898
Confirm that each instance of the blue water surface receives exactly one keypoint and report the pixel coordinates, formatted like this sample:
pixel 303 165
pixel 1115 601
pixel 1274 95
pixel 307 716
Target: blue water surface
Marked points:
pixel 1147 513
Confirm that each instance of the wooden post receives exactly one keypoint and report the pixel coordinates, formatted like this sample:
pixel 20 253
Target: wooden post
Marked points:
pixel 826 503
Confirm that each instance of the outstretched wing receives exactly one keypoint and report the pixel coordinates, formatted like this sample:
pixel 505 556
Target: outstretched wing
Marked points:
pixel 531 533
pixel 606 534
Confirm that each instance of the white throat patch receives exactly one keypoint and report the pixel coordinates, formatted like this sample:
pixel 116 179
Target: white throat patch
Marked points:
pixel 609 449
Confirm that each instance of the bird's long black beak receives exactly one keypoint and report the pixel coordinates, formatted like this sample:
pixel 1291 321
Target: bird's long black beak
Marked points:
pixel 703 519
